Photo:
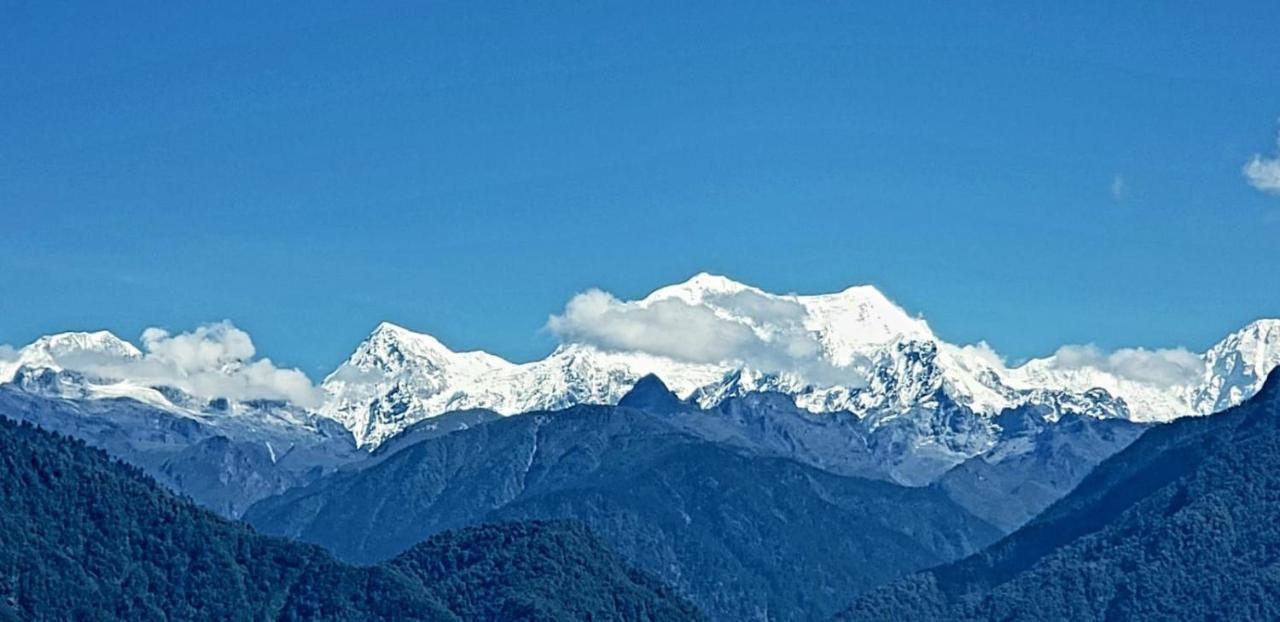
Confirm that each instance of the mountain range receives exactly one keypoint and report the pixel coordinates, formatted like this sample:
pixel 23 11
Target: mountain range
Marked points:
pixel 851 352
pixel 746 535
pixel 877 361
pixel 768 457
pixel 1181 525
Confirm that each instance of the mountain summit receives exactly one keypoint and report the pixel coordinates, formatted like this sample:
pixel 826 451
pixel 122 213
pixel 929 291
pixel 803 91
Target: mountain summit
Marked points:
pixel 651 394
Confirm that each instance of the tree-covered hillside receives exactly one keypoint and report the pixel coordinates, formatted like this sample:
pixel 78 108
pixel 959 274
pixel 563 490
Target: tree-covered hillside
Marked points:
pixel 85 537
pixel 536 570
pixel 1182 525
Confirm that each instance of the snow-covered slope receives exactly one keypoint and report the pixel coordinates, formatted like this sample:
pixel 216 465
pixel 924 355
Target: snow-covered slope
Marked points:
pixel 1237 366
pixel 397 377
pixel 876 360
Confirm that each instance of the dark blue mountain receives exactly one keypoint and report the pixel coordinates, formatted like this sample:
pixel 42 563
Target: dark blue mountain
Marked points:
pixel 652 395
pixel 1034 463
pixel 745 536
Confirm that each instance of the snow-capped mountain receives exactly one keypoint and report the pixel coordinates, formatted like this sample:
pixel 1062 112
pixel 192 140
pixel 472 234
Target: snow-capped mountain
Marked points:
pixel 710 339
pixel 872 359
pixel 392 380
pixel 397 377
pixel 225 453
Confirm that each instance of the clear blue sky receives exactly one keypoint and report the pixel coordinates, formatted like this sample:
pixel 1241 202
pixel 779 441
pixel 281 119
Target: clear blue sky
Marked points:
pixel 463 168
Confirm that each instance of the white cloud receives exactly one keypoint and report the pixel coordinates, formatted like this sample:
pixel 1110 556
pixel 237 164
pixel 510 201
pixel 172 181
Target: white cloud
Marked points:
pixel 1163 367
pixel 8 358
pixel 210 346
pixel 214 360
pixel 742 328
pixel 983 354
pixel 1264 173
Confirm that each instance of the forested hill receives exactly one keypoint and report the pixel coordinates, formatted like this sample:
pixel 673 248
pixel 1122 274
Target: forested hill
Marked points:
pixel 1182 525
pixel 84 537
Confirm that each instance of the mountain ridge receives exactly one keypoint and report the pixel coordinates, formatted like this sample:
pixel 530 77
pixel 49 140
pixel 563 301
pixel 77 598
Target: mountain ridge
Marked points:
pixel 897 372
pixel 857 325
pixel 746 535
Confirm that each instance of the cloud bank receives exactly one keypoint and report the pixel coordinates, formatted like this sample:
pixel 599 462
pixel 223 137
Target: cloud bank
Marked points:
pixel 1264 173
pixel 742 329
pixel 767 333
pixel 1169 367
pixel 214 360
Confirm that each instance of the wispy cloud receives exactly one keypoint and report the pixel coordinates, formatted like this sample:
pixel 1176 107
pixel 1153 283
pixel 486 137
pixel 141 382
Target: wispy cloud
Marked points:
pixel 1263 173
pixel 1163 367
pixel 1119 187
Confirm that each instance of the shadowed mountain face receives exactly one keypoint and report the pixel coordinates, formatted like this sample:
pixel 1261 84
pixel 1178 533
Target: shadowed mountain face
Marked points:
pixel 747 537
pixel 1183 524
pixel 1033 461
pixel 225 461
pixel 85 537
pixel 1033 464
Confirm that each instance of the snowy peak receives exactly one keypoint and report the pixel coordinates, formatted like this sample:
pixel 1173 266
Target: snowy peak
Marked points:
pixel 56 351
pixel 1257 344
pixel 397 377
pixel 859 317
pixel 390 347
pixel 699 288
pixel 1236 367
pixel 81 343
pixel 393 349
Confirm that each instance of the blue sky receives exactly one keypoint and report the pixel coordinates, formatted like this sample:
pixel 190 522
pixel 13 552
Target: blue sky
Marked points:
pixel 1031 174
